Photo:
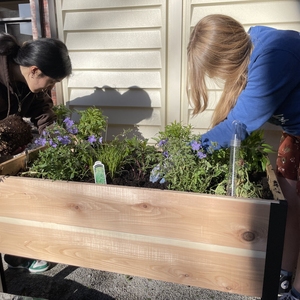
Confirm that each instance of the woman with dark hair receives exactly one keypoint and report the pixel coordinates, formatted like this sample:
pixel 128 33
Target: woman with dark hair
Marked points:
pixel 27 73
pixel 260 70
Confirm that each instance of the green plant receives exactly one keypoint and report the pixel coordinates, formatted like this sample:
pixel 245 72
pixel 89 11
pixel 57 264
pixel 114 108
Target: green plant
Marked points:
pixel 61 112
pixel 113 155
pixel 92 123
pixel 179 160
pixel 255 152
pixel 187 164
pixel 143 157
pixel 69 154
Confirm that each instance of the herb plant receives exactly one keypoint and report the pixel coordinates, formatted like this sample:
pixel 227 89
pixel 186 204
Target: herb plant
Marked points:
pixel 187 164
pixel 179 160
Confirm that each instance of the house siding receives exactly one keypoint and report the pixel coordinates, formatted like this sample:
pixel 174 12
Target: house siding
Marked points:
pixel 129 57
pixel 117 50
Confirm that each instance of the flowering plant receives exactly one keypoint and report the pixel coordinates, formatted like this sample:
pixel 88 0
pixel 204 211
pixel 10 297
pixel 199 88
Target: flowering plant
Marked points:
pixel 72 149
pixel 189 164
pixel 178 161
pixel 70 152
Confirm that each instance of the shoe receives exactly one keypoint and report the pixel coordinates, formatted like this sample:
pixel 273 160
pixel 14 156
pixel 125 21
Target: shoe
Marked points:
pixel 284 284
pixel 33 266
pixel 288 296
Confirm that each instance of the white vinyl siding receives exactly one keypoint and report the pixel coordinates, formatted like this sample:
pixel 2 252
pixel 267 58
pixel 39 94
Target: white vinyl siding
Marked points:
pixel 129 57
pixel 117 50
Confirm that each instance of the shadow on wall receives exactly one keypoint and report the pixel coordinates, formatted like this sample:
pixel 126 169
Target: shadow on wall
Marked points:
pixel 124 111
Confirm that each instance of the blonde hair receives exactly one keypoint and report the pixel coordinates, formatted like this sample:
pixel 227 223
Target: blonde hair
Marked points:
pixel 219 47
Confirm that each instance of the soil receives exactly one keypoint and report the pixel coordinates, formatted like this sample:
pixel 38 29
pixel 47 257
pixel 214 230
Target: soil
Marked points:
pixel 15 134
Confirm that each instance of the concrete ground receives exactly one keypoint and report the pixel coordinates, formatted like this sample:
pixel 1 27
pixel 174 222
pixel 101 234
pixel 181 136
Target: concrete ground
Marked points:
pixel 63 282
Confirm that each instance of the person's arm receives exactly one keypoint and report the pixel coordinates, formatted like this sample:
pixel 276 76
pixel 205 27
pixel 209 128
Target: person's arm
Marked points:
pixel 270 80
pixel 40 111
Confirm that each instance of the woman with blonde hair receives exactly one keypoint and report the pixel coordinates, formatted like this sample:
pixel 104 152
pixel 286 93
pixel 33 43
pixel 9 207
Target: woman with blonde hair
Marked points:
pixel 260 70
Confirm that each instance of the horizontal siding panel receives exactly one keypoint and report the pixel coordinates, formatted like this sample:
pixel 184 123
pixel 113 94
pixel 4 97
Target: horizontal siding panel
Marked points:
pixel 128 116
pixel 107 96
pixel 136 116
pixel 202 121
pixel 249 12
pixel 203 2
pixel 94 4
pixel 92 79
pixel 117 19
pixel 146 39
pixel 146 132
pixel 116 60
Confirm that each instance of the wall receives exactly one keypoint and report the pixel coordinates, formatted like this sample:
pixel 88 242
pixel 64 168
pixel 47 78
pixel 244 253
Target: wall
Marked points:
pixel 129 57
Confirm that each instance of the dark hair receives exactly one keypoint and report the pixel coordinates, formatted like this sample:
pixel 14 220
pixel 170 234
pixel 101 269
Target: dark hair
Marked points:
pixel 49 55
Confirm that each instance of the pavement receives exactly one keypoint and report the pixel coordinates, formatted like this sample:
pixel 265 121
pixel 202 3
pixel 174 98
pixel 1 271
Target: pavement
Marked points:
pixel 64 282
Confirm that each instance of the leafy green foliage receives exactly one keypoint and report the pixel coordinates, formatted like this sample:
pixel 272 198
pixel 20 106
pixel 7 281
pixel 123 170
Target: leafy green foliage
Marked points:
pixel 179 159
pixel 187 164
pixel 143 157
pixel 69 154
pixel 61 112
pixel 92 122
pixel 255 152
pixel 114 156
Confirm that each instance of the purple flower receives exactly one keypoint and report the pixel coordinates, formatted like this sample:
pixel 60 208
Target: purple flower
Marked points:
pixel 201 155
pixel 166 154
pixel 73 130
pixel 92 139
pixel 69 123
pixel 70 126
pixel 162 142
pixel 100 139
pixel 65 140
pixel 195 145
pixel 52 144
pixel 41 141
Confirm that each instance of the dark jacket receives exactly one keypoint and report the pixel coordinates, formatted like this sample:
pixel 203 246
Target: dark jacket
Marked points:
pixel 37 107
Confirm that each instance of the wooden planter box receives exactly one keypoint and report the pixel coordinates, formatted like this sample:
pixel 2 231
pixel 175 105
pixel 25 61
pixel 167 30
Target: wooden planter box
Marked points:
pixel 215 242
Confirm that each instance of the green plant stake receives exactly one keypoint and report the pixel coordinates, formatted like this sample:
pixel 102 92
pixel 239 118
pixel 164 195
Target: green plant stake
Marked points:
pixel 99 173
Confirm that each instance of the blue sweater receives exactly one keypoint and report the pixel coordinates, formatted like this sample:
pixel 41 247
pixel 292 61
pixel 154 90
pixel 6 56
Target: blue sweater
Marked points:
pixel 272 93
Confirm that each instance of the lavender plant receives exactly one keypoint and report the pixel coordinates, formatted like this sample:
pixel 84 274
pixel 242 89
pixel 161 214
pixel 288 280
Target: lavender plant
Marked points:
pixel 187 164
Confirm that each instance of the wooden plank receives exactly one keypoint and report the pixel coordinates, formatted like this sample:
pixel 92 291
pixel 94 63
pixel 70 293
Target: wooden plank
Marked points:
pixel 223 221
pixel 19 162
pixel 207 266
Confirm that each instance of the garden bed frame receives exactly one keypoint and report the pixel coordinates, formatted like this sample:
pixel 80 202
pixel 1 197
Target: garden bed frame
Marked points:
pixel 215 242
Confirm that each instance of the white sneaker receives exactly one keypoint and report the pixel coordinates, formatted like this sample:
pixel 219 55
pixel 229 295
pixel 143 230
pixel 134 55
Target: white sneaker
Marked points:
pixel 33 266
pixel 38 266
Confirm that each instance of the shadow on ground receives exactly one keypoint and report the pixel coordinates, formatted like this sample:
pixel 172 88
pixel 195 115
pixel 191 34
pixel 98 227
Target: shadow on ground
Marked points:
pixel 56 287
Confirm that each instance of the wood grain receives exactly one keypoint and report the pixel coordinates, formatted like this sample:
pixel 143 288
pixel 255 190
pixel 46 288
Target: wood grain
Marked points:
pixel 196 239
